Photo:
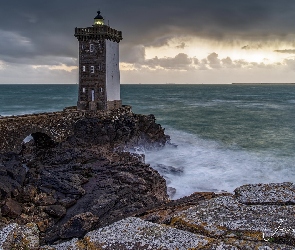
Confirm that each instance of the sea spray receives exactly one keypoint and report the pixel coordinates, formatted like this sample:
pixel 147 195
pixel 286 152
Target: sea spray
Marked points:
pixel 207 165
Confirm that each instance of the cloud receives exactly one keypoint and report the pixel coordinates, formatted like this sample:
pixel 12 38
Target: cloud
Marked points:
pixel 13 44
pixel 181 46
pixel 180 62
pixel 286 51
pixel 183 62
pixel 132 54
pixel 43 74
pixel 38 32
pixel 150 23
pixel 213 60
pixel 227 61
pixel 290 63
pixel 253 46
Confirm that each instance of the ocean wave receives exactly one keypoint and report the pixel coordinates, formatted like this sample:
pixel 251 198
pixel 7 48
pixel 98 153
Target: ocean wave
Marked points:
pixel 207 165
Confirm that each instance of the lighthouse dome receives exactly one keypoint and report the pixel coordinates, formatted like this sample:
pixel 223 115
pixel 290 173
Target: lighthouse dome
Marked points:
pixel 98 20
pixel 99 16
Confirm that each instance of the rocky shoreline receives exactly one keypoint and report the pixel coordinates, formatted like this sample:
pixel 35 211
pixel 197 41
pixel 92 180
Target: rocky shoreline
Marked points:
pixel 89 192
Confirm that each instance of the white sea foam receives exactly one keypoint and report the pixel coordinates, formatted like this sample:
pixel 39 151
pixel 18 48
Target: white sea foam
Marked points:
pixel 211 166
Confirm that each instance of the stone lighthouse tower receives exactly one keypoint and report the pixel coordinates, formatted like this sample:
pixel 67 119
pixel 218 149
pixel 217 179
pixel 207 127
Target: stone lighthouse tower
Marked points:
pixel 99 75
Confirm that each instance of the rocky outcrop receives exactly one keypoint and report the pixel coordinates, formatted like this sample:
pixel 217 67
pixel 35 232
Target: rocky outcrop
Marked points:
pixel 200 221
pixel 260 194
pixel 255 216
pixel 88 192
pixel 203 221
pixel 134 233
pixel 85 182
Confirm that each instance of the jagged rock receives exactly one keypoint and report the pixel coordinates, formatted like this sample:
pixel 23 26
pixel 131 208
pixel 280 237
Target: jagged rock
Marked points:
pixel 199 221
pixel 42 225
pixel 164 213
pixel 56 211
pixel 87 173
pixel 6 236
pixel 14 236
pixel 114 192
pixel 273 193
pixel 134 233
pixel 8 187
pixel 227 218
pixel 11 208
pixel 171 191
pixel 43 199
pixel 12 175
pixel 29 193
pixel 164 169
pixel 78 225
pixel 67 202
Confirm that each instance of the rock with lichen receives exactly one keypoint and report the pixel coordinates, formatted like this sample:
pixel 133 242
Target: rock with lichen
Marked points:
pixel 200 221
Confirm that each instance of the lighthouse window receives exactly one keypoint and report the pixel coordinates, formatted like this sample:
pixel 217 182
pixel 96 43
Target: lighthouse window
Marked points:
pixel 100 90
pixel 91 47
pixel 84 68
pixel 92 69
pixel 92 95
pixel 84 90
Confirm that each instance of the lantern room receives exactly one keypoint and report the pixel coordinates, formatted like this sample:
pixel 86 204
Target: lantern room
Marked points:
pixel 98 20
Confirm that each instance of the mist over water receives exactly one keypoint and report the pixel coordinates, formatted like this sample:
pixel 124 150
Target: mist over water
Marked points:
pixel 227 135
pixel 212 166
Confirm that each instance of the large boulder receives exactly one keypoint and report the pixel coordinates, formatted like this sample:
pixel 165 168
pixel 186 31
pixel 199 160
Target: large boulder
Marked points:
pixel 262 194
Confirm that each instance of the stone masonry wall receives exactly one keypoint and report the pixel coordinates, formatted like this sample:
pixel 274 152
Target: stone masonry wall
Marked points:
pixel 57 125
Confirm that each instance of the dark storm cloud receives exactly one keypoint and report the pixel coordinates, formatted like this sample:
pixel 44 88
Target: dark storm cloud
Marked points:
pixel 34 28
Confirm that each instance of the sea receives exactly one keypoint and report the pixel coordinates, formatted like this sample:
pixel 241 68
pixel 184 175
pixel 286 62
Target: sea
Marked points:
pixel 222 136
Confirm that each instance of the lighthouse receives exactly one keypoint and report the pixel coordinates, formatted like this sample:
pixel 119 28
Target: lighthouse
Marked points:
pixel 99 74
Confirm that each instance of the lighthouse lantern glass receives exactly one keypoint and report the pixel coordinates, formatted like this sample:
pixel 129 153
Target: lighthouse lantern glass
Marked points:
pixel 98 22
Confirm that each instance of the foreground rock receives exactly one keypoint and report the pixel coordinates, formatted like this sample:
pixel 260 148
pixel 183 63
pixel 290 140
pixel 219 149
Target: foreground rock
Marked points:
pixel 257 215
pixel 200 221
pixel 134 233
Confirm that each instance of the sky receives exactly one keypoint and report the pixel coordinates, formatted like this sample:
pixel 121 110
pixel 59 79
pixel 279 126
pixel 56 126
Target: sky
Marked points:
pixel 187 41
